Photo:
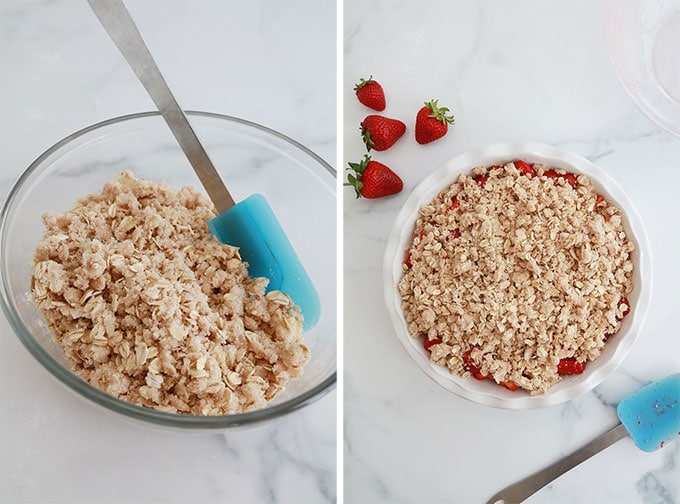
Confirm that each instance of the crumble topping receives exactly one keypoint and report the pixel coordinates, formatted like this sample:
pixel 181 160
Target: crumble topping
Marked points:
pixel 148 307
pixel 510 273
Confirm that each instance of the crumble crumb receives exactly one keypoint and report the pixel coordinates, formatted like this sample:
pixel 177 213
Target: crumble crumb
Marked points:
pixel 149 308
pixel 512 273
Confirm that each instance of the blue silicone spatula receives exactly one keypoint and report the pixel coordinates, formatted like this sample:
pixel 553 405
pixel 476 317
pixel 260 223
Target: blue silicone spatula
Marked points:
pixel 250 224
pixel 650 416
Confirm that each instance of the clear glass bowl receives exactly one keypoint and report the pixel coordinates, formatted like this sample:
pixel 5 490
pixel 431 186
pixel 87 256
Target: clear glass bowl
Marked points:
pixel 643 37
pixel 485 391
pixel 298 184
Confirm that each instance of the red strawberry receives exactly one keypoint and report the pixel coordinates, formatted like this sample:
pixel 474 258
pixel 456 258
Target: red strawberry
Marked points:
pixel 525 168
pixel 570 366
pixel 551 174
pixel 510 385
pixel 380 133
pixel 427 343
pixel 370 93
pixel 371 179
pixel 432 122
pixel 481 179
pixel 624 302
pixel 454 204
pixel 570 178
pixel 469 364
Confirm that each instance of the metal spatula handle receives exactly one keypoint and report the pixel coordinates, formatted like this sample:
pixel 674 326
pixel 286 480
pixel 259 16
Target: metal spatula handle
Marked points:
pixel 517 492
pixel 118 23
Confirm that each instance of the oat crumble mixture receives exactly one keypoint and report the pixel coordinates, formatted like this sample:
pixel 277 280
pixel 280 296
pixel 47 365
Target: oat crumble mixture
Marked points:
pixel 149 308
pixel 518 273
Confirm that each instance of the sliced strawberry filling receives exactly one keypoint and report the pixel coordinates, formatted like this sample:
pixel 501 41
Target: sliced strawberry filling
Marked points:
pixel 570 178
pixel 570 366
pixel 481 180
pixel 454 204
pixel 427 343
pixel 525 168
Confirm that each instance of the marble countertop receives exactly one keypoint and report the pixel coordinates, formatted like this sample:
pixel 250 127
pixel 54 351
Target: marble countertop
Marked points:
pixel 59 72
pixel 510 71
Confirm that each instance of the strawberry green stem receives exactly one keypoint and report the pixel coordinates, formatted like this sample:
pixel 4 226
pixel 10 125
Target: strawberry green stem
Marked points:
pixel 354 178
pixel 439 113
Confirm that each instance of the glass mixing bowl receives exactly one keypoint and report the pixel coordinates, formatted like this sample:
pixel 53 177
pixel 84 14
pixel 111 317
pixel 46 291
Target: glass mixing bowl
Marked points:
pixel 643 37
pixel 298 184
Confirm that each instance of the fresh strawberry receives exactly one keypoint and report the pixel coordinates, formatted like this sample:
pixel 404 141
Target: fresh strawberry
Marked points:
pixel 370 93
pixel 551 174
pixel 472 367
pixel 570 366
pixel 469 365
pixel 481 179
pixel 372 179
pixel 427 343
pixel 432 122
pixel 525 168
pixel 454 204
pixel 626 310
pixel 570 178
pixel 510 385
pixel 381 133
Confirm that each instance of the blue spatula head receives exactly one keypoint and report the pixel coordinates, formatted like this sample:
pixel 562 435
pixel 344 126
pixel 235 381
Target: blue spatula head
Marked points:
pixel 252 226
pixel 652 414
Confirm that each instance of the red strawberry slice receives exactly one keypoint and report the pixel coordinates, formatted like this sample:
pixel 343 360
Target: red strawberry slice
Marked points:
pixel 570 178
pixel 551 174
pixel 454 204
pixel 429 343
pixel 380 132
pixel 432 122
pixel 372 179
pixel 370 93
pixel 626 310
pixel 469 365
pixel 510 385
pixel 525 168
pixel 472 367
pixel 570 366
pixel 481 180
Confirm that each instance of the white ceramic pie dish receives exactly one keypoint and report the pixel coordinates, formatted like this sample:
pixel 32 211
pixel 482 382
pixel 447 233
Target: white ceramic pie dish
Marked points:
pixel 486 392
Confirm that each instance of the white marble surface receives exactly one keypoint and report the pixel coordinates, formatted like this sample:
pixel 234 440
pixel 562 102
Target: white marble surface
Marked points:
pixel 58 73
pixel 511 71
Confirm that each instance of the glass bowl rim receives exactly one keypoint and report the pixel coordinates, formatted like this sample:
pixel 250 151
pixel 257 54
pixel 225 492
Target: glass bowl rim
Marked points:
pixel 109 402
pixel 645 91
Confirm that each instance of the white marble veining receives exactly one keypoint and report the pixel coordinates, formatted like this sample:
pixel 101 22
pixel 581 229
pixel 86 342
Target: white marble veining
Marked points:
pixel 510 71
pixel 271 62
